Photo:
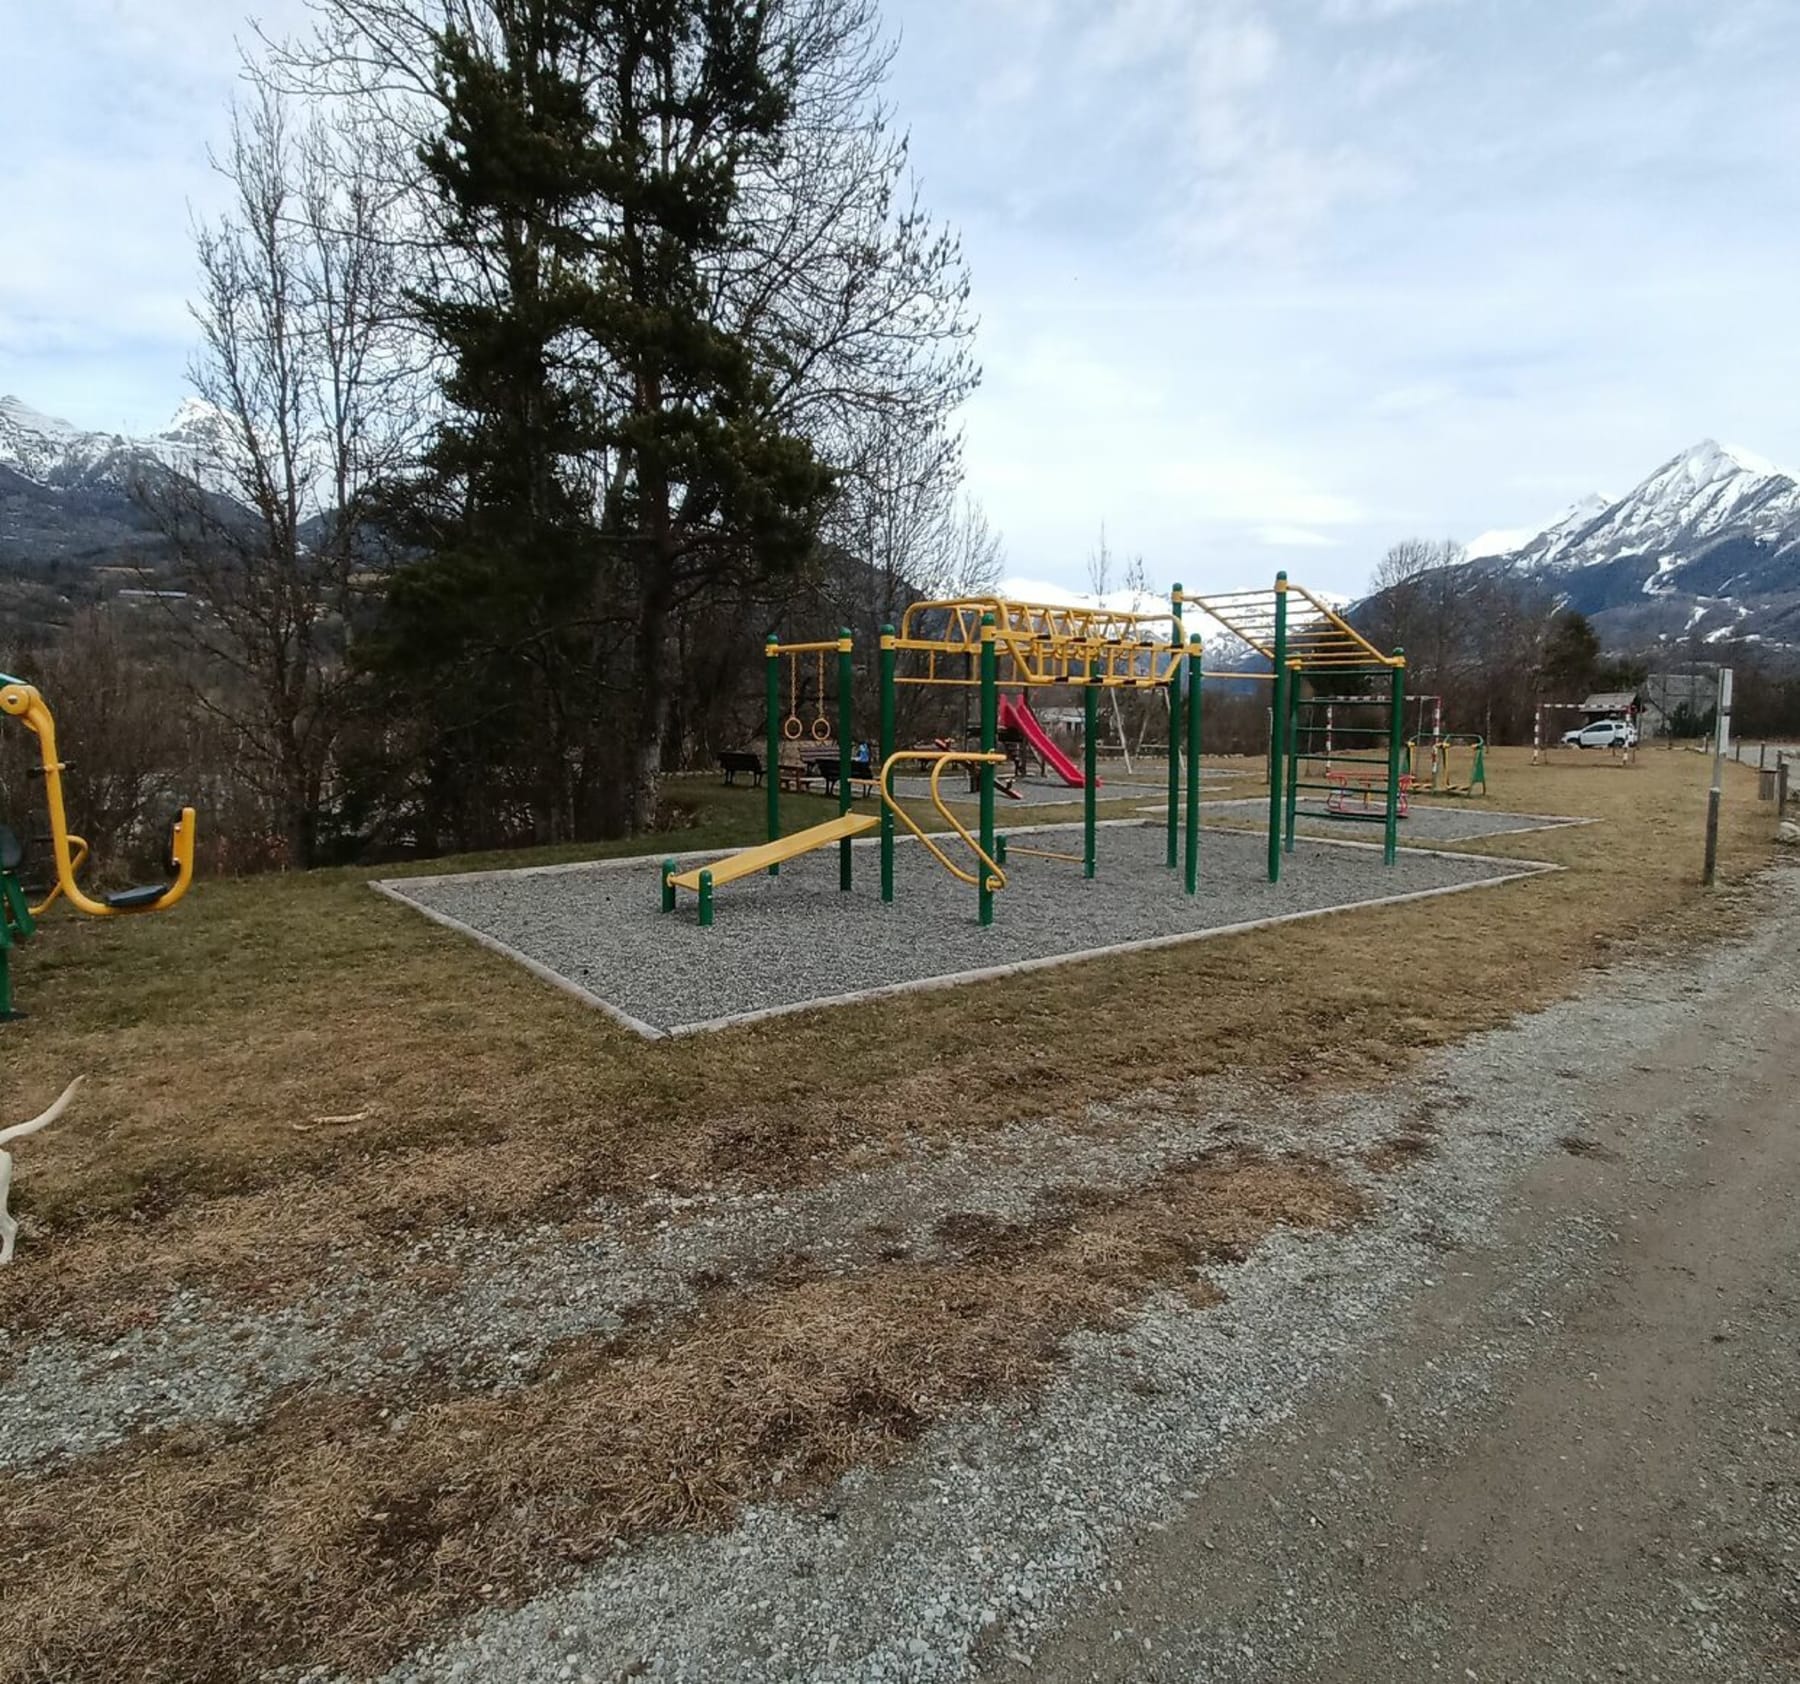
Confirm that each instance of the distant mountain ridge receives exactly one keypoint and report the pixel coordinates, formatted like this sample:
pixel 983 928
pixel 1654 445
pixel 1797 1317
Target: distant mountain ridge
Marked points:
pixel 1707 546
pixel 66 492
pixel 60 455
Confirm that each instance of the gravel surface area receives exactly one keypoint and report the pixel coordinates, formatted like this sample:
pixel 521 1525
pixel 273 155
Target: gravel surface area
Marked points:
pixel 1040 792
pixel 1422 825
pixel 971 1556
pixel 483 1310
pixel 794 940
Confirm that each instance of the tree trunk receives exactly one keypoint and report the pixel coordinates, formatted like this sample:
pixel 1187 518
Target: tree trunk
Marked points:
pixel 645 769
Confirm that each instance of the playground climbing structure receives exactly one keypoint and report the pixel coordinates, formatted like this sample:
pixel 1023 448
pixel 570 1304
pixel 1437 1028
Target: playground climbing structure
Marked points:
pixel 994 645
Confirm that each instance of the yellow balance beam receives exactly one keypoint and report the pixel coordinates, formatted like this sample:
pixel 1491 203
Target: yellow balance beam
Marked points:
pixel 752 860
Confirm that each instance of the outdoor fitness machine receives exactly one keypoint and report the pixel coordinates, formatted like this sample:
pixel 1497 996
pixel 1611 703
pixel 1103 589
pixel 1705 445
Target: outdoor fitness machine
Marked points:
pixel 1447 774
pixel 21 701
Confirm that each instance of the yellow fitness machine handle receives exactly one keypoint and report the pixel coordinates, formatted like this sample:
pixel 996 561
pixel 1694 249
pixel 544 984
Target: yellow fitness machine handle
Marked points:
pixel 23 703
pixel 938 759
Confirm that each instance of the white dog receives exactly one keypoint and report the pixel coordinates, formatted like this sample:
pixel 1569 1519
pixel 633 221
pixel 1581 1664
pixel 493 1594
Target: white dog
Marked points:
pixel 9 1229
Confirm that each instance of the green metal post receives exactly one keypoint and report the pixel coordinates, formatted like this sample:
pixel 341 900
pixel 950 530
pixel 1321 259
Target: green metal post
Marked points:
pixel 1175 637
pixel 1390 843
pixel 990 734
pixel 16 925
pixel 1295 684
pixel 889 658
pixel 1090 727
pixel 668 886
pixel 1000 850
pixel 1277 723
pixel 772 755
pixel 846 729
pixel 706 900
pixel 1193 764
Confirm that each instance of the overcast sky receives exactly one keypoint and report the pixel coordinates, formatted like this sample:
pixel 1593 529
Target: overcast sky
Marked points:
pixel 1262 282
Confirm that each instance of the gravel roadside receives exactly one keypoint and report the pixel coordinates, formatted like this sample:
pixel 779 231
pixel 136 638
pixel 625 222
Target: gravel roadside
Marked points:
pixel 971 1553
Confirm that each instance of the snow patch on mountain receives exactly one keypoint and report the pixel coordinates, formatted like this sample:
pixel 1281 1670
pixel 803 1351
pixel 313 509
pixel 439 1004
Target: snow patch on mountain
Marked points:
pixel 1505 540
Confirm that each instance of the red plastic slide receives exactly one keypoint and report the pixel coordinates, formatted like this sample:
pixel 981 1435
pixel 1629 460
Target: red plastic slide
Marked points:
pixel 1017 716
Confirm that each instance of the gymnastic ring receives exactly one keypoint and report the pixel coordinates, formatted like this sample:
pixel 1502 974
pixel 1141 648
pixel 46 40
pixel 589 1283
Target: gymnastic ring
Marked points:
pixel 793 728
pixel 821 729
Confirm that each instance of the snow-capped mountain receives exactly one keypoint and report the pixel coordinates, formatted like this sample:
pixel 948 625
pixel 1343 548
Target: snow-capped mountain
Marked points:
pixel 69 503
pixel 1708 545
pixel 60 455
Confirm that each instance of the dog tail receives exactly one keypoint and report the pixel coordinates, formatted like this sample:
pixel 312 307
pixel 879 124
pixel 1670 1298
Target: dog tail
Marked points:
pixel 44 1120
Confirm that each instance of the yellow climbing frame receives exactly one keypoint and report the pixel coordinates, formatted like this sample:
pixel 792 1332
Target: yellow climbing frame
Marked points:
pixel 1038 643
pixel 1318 637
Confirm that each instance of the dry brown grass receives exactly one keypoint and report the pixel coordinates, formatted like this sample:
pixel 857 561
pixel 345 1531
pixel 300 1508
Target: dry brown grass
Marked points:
pixel 219 1037
pixel 337 1534
pixel 290 1071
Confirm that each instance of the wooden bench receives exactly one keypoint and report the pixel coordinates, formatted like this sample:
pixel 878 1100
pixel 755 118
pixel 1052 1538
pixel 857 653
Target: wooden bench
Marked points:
pixel 734 761
pixel 825 769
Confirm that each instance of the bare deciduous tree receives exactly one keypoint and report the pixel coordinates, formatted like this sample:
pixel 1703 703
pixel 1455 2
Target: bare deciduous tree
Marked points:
pixel 308 398
pixel 1100 568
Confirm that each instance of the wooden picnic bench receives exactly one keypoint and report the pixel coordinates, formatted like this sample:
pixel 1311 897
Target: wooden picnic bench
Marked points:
pixel 825 769
pixel 733 761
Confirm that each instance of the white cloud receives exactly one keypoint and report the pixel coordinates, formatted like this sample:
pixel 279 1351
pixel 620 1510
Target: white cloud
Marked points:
pixel 1412 399
pixel 1377 11
pixel 109 109
pixel 1252 491
pixel 1293 538
pixel 1375 78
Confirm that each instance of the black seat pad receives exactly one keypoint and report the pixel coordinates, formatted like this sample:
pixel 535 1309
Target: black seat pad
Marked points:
pixel 10 851
pixel 127 900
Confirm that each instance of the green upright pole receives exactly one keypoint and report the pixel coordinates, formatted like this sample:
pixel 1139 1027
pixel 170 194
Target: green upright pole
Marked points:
pixel 772 757
pixel 1175 637
pixel 1090 727
pixel 846 728
pixel 1193 763
pixel 990 734
pixel 1390 845
pixel 1277 725
pixel 16 925
pixel 1295 684
pixel 889 660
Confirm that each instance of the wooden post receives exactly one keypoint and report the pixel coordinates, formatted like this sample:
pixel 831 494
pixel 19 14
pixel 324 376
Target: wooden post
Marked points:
pixel 1721 742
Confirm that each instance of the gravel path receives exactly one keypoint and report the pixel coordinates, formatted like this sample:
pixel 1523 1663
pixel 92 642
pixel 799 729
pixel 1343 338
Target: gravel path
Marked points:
pixel 785 942
pixel 489 1324
pixel 1422 825
pixel 975 1553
